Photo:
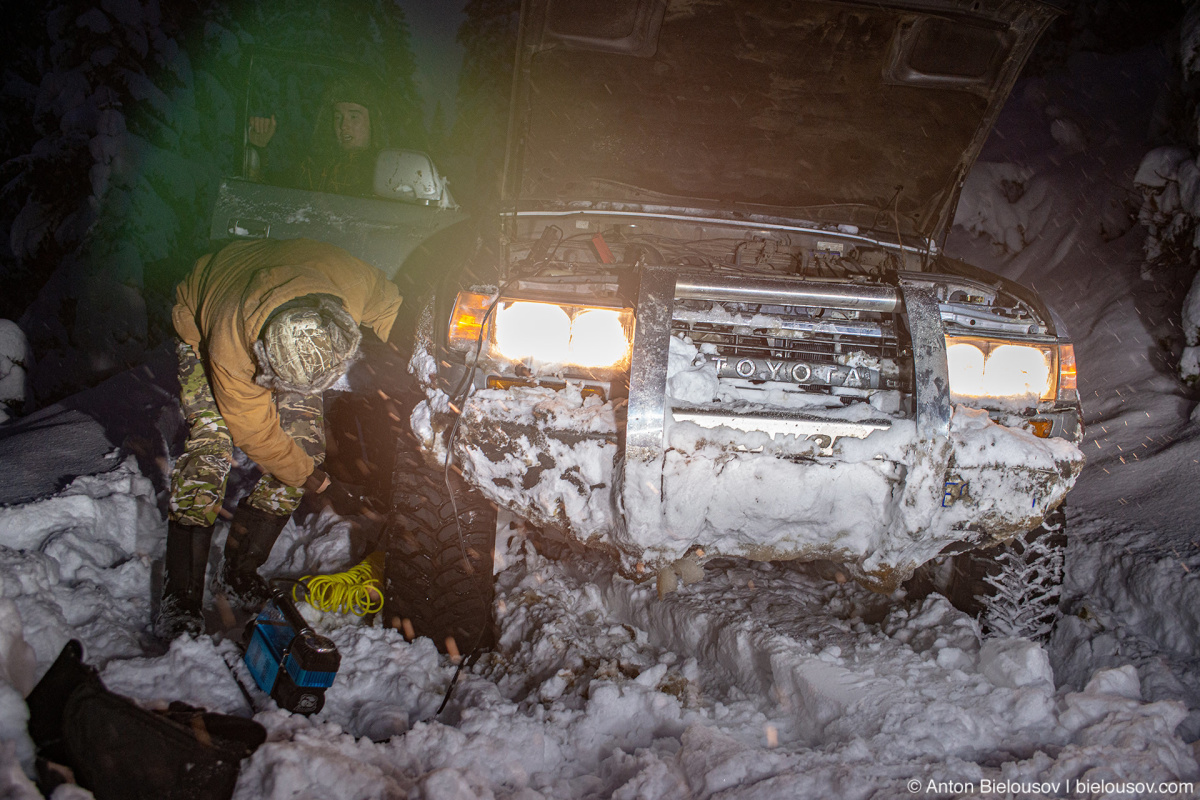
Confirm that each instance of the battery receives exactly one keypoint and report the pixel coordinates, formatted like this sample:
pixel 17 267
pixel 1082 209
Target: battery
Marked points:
pixel 288 660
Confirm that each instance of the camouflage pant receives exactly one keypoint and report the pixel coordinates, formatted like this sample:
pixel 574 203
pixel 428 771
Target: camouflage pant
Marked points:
pixel 198 481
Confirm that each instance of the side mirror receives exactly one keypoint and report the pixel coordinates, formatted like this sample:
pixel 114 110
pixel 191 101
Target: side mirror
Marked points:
pixel 409 175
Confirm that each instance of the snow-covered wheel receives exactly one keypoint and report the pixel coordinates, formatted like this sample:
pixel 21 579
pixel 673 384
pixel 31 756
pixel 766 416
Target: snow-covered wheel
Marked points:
pixel 440 541
pixel 1013 589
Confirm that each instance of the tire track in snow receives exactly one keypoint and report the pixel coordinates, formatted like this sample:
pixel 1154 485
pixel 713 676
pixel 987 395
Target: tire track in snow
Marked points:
pixel 805 649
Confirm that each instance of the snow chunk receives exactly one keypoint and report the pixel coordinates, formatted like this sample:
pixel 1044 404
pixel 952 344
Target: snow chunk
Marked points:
pixel 691 378
pixel 194 670
pixel 1004 201
pixel 1120 682
pixel 1015 664
pixel 114 508
pixel 16 758
pixel 17 660
pixel 384 684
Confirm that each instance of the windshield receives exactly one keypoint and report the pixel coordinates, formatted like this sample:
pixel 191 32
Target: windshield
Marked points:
pixel 314 126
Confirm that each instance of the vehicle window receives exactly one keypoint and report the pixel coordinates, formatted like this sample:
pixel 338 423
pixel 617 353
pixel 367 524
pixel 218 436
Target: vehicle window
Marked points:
pixel 950 49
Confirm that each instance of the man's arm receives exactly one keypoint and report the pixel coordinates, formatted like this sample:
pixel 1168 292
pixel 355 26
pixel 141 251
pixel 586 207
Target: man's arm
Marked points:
pixel 259 132
pixel 249 412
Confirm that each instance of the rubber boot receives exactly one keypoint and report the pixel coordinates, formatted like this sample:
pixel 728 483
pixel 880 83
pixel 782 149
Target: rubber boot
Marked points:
pixel 183 580
pixel 252 534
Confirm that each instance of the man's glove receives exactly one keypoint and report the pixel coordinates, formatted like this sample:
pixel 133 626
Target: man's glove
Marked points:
pixel 329 492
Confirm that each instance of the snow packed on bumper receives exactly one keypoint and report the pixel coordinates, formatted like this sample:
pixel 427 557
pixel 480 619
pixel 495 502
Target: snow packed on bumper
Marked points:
pixel 876 504
pixel 546 454
pixel 883 504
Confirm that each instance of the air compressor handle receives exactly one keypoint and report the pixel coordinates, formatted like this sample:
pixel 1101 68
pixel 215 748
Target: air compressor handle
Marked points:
pixel 288 609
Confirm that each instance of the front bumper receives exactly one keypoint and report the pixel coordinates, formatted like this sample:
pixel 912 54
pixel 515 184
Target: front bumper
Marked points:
pixel 655 481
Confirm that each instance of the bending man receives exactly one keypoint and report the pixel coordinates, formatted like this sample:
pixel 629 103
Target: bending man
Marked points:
pixel 264 327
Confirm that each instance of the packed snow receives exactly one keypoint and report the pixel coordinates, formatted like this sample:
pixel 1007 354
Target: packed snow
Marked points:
pixel 763 680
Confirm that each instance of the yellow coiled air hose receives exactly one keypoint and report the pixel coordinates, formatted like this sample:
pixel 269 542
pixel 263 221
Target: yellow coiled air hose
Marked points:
pixel 357 591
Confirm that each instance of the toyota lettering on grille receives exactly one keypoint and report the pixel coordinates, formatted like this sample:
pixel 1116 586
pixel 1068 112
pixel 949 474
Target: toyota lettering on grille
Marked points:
pixel 800 372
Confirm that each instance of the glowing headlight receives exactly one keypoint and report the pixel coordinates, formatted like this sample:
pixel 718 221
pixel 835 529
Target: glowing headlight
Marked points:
pixel 533 330
pixel 598 338
pixel 999 370
pixel 549 333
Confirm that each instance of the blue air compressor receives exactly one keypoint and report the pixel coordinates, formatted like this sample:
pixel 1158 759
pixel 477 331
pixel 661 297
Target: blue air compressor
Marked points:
pixel 290 661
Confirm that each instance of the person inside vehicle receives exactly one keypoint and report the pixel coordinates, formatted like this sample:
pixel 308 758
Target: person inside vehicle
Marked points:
pixel 264 328
pixel 347 137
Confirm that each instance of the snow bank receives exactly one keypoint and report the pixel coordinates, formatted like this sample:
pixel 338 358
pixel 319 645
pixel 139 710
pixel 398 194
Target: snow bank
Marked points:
pixel 998 200
pixel 1129 595
pixel 192 670
pixel 761 681
pixel 77 564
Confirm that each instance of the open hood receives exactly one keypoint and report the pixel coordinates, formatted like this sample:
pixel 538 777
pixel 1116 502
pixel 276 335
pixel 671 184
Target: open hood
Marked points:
pixel 860 113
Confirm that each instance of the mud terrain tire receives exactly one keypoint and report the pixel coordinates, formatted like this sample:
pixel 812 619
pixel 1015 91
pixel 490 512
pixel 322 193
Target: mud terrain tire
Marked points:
pixel 438 570
pixel 1013 589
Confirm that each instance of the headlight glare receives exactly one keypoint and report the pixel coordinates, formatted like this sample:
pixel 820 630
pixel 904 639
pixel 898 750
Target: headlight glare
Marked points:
pixel 598 338
pixel 989 369
pixel 966 368
pixel 542 333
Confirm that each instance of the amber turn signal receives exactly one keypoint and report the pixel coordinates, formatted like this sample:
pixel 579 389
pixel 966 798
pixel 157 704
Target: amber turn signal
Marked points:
pixel 1040 427
pixel 1068 388
pixel 466 323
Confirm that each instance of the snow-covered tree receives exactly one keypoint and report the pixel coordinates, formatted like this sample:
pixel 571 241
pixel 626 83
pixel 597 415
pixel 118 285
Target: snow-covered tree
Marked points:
pixel 118 125
pixel 1169 179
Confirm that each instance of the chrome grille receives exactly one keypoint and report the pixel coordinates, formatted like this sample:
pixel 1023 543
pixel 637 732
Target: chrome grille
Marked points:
pixel 798 334
pixel 922 362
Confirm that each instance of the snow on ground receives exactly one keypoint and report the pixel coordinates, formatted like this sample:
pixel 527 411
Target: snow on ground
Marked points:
pixel 762 681
pixel 1135 539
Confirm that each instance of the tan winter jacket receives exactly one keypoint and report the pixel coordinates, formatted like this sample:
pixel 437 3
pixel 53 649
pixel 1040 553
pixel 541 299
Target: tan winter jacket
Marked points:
pixel 221 307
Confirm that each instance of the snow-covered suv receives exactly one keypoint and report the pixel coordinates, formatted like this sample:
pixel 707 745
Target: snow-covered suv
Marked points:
pixel 715 319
